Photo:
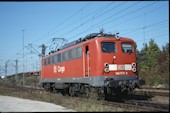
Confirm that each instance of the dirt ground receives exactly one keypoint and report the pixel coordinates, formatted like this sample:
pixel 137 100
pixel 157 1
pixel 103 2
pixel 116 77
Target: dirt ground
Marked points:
pixel 14 104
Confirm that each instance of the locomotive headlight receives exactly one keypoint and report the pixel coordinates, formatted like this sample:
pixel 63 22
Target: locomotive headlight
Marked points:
pixel 106 64
pixel 106 70
pixel 134 69
pixel 134 64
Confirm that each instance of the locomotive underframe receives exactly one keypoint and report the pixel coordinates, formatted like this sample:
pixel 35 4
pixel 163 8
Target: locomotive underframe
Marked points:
pixel 111 86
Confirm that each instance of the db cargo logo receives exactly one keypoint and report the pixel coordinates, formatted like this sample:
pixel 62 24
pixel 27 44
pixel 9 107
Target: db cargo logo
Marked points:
pixel 120 67
pixel 59 69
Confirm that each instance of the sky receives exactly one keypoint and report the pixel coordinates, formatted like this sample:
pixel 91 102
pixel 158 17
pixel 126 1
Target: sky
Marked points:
pixel 43 21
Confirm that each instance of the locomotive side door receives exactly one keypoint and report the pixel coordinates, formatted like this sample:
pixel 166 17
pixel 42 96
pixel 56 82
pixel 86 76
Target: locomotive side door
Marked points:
pixel 86 61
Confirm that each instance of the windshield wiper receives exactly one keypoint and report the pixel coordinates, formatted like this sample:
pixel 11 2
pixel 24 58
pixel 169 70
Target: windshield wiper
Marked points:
pixel 107 50
pixel 130 52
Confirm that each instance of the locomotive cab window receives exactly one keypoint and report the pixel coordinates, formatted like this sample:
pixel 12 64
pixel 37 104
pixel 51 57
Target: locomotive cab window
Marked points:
pixel 108 47
pixel 127 48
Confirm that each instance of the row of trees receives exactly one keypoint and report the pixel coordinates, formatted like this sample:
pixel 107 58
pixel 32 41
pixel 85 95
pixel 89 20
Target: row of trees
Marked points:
pixel 153 63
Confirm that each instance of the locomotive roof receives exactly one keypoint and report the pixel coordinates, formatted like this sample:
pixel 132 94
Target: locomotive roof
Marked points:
pixel 88 37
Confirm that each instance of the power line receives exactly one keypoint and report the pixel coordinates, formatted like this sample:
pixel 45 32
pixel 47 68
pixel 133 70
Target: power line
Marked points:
pixel 64 21
pixel 75 22
pixel 114 19
pixel 130 19
pixel 157 23
pixel 153 37
pixel 71 16
pixel 129 13
pixel 104 20
pixel 103 8
pixel 117 14
pixel 88 21
pixel 101 14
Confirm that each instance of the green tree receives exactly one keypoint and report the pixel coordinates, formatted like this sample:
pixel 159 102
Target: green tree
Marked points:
pixel 163 64
pixel 142 58
pixel 154 63
pixel 152 54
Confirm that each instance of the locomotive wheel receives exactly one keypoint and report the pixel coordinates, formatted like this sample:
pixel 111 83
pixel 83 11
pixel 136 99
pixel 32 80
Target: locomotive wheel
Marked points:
pixel 72 91
pixel 94 93
pixel 64 92
pixel 107 96
pixel 47 87
pixel 87 92
pixel 54 90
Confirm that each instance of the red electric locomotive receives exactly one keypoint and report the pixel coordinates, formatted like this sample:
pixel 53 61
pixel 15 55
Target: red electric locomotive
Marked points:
pixel 100 61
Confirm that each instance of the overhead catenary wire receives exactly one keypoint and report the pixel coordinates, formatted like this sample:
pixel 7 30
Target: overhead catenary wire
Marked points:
pixel 147 35
pixel 132 18
pixel 45 34
pixel 66 20
pixel 87 21
pixel 111 20
pixel 114 19
pixel 157 23
pixel 94 13
pixel 153 37
pixel 129 13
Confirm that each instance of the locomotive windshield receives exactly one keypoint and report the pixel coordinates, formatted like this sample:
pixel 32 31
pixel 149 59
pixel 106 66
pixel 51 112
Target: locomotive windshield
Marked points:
pixel 108 47
pixel 127 48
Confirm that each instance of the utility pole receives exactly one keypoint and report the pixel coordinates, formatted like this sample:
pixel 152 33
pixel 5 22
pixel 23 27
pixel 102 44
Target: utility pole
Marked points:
pixel 43 50
pixel 6 68
pixel 16 71
pixel 23 60
pixel 2 68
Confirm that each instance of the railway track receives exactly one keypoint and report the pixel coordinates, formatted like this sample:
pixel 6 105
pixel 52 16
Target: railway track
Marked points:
pixel 154 88
pixel 152 91
pixel 149 105
pixel 139 105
